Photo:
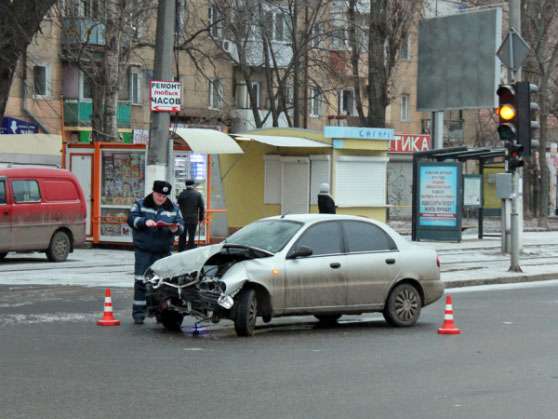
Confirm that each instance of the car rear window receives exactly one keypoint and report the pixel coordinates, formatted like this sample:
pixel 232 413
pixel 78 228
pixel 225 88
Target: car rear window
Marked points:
pixel 26 191
pixel 2 192
pixel 59 190
pixel 366 237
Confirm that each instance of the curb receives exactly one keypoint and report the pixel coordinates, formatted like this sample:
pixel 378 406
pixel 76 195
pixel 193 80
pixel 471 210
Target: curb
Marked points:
pixel 501 280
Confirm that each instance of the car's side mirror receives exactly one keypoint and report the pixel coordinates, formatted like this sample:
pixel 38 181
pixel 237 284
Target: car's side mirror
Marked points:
pixel 300 252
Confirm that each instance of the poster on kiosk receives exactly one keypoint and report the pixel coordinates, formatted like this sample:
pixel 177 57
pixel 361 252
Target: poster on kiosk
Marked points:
pixel 113 178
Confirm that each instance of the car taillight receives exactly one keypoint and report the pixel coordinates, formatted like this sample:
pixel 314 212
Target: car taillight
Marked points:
pixel 438 261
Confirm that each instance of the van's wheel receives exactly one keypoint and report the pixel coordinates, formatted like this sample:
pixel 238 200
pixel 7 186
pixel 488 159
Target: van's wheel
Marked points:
pixel 403 306
pixel 172 320
pixel 327 319
pixel 246 313
pixel 3 255
pixel 59 247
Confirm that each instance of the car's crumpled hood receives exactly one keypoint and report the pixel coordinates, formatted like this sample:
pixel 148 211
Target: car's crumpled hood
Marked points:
pixel 186 262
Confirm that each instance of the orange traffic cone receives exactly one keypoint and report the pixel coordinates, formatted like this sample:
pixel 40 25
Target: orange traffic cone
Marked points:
pixel 449 327
pixel 108 319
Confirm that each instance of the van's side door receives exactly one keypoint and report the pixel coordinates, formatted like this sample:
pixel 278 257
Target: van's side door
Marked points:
pixel 5 218
pixel 30 229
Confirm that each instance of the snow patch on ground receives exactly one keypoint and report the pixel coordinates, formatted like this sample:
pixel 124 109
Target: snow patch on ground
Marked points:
pixel 22 319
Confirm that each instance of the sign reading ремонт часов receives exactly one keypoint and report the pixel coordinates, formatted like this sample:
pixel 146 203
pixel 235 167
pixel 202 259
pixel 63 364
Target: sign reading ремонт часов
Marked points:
pixel 165 96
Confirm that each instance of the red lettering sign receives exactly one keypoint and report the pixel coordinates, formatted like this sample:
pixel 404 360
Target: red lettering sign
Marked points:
pixel 408 143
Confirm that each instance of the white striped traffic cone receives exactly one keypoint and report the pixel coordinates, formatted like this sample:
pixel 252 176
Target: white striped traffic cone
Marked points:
pixel 448 327
pixel 108 318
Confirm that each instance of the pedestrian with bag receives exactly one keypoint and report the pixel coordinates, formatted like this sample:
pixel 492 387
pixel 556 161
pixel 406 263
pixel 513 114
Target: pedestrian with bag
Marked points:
pixel 155 221
pixel 192 206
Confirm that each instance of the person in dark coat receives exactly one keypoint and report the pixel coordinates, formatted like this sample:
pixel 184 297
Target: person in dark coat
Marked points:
pixel 326 204
pixel 155 221
pixel 193 210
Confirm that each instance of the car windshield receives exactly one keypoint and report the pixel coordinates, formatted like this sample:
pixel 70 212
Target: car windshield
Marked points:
pixel 270 235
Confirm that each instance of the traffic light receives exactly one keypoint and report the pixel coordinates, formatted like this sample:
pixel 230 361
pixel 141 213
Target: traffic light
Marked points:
pixel 526 118
pixel 514 156
pixel 507 112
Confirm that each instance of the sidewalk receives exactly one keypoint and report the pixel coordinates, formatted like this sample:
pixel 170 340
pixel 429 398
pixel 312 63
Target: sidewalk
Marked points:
pixel 480 262
pixel 471 262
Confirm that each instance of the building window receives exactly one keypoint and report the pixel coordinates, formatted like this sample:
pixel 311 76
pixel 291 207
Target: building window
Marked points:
pixel 347 102
pixel 404 107
pixel 215 94
pixel 242 97
pixel 215 22
pixel 315 101
pixel 41 80
pixel 135 86
pixel 85 87
pixel 404 51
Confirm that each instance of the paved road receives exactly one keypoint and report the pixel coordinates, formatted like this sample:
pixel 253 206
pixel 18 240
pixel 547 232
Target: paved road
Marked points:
pixel 55 363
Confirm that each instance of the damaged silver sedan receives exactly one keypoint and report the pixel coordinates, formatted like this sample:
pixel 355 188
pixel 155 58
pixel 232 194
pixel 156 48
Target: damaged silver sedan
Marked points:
pixel 319 264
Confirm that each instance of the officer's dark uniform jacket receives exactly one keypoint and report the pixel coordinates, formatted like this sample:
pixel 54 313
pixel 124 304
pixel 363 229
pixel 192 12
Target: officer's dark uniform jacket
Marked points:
pixel 154 240
pixel 151 243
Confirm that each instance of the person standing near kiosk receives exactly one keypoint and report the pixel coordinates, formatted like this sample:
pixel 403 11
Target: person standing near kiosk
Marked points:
pixel 193 210
pixel 155 221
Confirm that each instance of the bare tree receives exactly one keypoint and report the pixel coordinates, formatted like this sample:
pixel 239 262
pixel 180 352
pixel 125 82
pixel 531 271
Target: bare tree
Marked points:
pixel 19 22
pixel 376 30
pixel 104 37
pixel 540 28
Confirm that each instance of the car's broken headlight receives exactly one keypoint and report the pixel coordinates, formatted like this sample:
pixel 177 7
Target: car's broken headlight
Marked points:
pixel 151 277
pixel 225 301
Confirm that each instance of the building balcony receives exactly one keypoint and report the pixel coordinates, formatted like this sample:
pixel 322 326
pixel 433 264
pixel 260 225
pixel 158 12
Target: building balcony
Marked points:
pixel 77 113
pixel 82 30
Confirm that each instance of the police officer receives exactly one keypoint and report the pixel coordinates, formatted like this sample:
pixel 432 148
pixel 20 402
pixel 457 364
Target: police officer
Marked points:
pixel 193 210
pixel 155 220
pixel 326 204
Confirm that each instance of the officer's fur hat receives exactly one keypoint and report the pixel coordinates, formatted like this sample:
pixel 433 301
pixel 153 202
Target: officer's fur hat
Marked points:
pixel 162 186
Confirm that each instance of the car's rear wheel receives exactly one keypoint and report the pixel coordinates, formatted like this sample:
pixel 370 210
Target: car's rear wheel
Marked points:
pixel 3 255
pixel 172 320
pixel 246 313
pixel 328 319
pixel 59 247
pixel 403 306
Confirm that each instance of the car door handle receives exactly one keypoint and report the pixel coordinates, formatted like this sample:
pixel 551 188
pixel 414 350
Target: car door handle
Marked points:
pixel 335 265
pixel 390 261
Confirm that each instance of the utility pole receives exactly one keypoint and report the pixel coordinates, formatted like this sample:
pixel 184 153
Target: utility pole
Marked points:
pixel 157 152
pixel 514 76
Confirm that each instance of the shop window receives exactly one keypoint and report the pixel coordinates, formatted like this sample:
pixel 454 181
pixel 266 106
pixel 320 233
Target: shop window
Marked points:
pixel 26 191
pixel 272 180
pixel 353 187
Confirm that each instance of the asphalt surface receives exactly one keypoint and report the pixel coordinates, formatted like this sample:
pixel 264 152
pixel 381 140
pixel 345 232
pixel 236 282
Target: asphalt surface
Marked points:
pixel 56 363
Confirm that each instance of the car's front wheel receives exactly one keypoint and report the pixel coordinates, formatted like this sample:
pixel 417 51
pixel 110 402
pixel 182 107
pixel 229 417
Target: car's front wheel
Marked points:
pixel 172 320
pixel 403 306
pixel 246 313
pixel 59 247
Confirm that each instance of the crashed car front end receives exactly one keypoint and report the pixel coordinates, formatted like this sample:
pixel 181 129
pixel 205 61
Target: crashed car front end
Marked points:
pixel 194 283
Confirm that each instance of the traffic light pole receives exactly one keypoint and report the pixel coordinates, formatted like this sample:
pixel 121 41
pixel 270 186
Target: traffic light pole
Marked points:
pixel 515 24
